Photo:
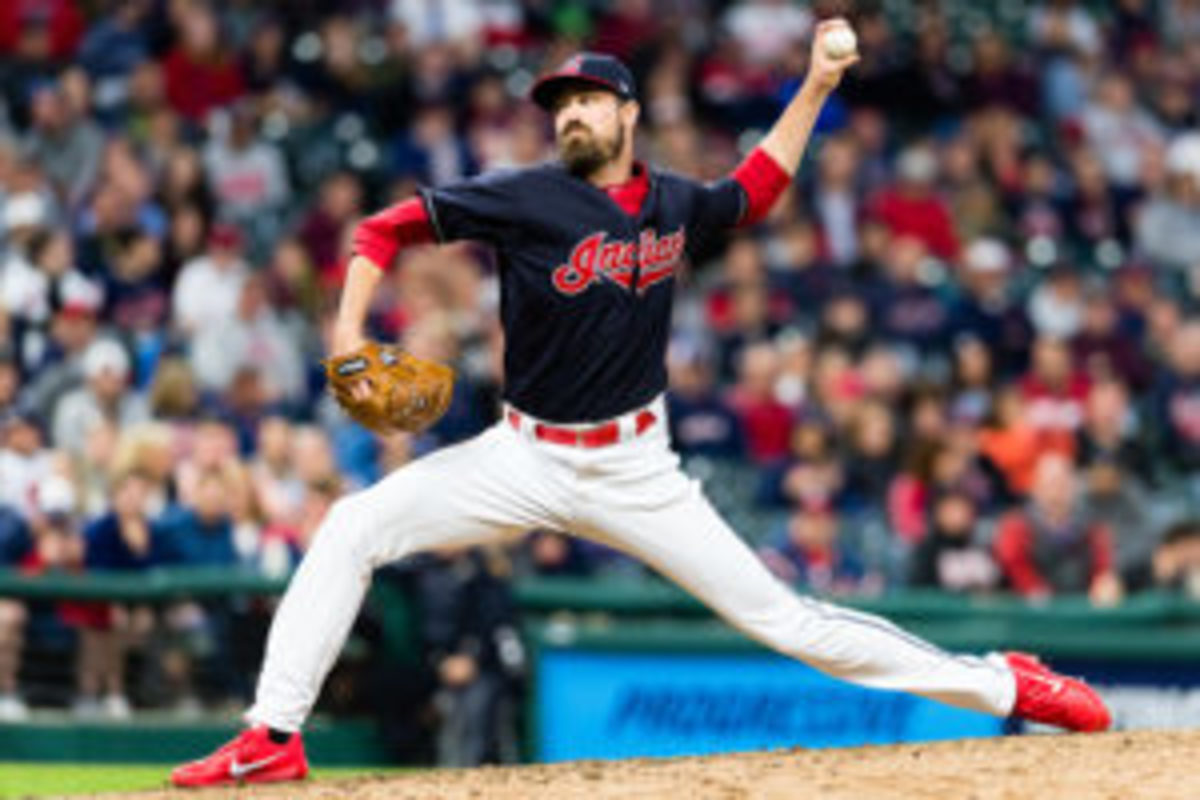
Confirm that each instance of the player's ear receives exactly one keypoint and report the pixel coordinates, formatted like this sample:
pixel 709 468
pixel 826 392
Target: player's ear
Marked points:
pixel 630 111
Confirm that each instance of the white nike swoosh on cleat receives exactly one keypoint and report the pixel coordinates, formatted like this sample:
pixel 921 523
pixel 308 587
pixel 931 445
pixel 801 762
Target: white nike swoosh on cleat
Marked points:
pixel 237 770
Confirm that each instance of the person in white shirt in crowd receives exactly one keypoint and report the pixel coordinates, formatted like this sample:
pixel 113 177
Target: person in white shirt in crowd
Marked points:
pixel 246 174
pixel 1119 131
pixel 455 21
pixel 767 29
pixel 56 359
pixel 255 337
pixel 106 394
pixel 24 461
pixel 209 286
pixel 1168 228
pixel 25 214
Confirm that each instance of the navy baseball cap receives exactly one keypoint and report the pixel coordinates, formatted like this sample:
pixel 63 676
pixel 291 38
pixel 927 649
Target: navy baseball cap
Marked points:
pixel 596 69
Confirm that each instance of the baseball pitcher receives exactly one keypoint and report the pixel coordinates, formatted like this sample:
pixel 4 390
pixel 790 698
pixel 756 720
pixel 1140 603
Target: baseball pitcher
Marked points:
pixel 589 248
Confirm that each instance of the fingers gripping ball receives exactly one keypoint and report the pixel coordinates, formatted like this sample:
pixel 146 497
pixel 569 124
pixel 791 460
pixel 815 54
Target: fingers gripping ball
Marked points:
pixel 840 42
pixel 387 390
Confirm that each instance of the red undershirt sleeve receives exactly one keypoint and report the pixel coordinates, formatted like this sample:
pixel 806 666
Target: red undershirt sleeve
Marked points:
pixel 380 237
pixel 763 181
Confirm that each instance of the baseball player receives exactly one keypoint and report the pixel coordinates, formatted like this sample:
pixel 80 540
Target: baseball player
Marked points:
pixel 588 248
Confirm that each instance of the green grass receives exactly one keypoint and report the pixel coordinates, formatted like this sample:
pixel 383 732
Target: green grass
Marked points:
pixel 35 780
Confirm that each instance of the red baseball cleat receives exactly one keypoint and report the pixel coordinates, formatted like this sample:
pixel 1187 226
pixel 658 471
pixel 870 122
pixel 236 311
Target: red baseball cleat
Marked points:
pixel 250 758
pixel 1052 699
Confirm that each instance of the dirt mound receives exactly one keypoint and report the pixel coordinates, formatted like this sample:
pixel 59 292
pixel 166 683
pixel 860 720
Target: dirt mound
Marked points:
pixel 1145 764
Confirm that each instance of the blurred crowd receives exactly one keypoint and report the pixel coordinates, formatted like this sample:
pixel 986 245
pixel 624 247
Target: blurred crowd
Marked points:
pixel 962 353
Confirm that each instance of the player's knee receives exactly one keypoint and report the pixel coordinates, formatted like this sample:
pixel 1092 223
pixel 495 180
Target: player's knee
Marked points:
pixel 776 624
pixel 345 525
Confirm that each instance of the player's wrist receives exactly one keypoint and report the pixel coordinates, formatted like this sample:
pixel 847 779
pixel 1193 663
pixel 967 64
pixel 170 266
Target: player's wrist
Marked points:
pixel 346 338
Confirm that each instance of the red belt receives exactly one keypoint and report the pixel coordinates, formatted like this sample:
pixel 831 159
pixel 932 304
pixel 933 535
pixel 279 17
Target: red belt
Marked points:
pixel 601 435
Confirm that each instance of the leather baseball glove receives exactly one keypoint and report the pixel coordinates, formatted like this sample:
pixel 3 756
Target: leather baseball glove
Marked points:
pixel 406 393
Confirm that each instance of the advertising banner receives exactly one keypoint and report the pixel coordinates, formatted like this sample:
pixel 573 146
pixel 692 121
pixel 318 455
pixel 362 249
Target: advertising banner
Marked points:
pixel 613 704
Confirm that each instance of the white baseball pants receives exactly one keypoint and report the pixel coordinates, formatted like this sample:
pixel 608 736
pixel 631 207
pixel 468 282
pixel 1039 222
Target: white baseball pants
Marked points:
pixel 631 496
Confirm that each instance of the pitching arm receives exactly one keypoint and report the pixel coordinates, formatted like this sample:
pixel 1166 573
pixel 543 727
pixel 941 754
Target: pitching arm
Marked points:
pixel 788 137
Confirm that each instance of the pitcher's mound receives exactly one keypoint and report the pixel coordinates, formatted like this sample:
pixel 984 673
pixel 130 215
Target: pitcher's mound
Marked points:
pixel 1144 764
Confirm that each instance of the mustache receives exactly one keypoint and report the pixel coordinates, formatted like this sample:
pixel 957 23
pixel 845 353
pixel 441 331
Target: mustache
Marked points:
pixel 576 126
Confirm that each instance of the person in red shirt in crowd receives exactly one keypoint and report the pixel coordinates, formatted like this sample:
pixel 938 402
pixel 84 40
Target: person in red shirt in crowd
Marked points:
pixel 60 19
pixel 766 422
pixel 325 227
pixel 200 76
pixel 1055 396
pixel 911 207
pixel 1052 546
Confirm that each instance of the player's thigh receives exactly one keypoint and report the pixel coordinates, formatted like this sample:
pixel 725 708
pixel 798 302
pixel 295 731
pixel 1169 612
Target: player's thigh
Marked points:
pixel 486 488
pixel 687 541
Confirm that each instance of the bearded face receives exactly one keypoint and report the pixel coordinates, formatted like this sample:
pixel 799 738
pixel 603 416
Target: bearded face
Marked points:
pixel 584 151
pixel 589 130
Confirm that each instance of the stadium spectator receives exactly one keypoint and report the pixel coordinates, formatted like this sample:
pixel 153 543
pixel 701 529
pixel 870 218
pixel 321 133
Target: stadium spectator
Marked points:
pixel 324 229
pixel 1112 434
pixel 809 552
pixel 1102 350
pixel 127 540
pixel 246 173
pixel 911 207
pixel 952 556
pixel 1119 131
pixel 1177 402
pixel 202 533
pixel 1051 547
pixel 1167 224
pixel 836 199
pixel 555 554
pixel 105 395
pixel 24 460
pixel 14 545
pixel 1174 564
pixel 63 144
pixel 254 338
pixel 209 286
pixel 987 308
pixel 1123 506
pixel 468 630
pixel 765 421
pixel 200 74
pixel 1054 394
pixel 702 423
pixel 907 310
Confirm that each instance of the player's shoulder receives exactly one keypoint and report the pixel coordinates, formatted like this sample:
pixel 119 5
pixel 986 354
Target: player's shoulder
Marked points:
pixel 671 179
pixel 515 180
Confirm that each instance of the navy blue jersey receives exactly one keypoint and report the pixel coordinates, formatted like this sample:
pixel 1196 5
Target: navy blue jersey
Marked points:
pixel 586 289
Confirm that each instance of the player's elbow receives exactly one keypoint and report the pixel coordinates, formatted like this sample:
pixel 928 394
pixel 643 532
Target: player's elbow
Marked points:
pixel 373 241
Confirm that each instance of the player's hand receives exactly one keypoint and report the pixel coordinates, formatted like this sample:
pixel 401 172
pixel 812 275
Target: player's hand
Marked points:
pixel 824 70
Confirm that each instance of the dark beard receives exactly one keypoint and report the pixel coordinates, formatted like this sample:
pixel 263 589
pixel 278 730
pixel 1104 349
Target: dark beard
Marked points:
pixel 582 157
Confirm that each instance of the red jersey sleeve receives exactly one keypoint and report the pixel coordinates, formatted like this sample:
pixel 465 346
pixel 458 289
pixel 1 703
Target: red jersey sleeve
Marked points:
pixel 380 237
pixel 763 181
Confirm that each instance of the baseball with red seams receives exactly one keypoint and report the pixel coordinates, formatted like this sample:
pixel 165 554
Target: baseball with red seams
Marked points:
pixel 840 42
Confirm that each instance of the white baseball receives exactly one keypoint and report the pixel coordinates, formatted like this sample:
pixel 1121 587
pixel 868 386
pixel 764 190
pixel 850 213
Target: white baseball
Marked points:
pixel 840 42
